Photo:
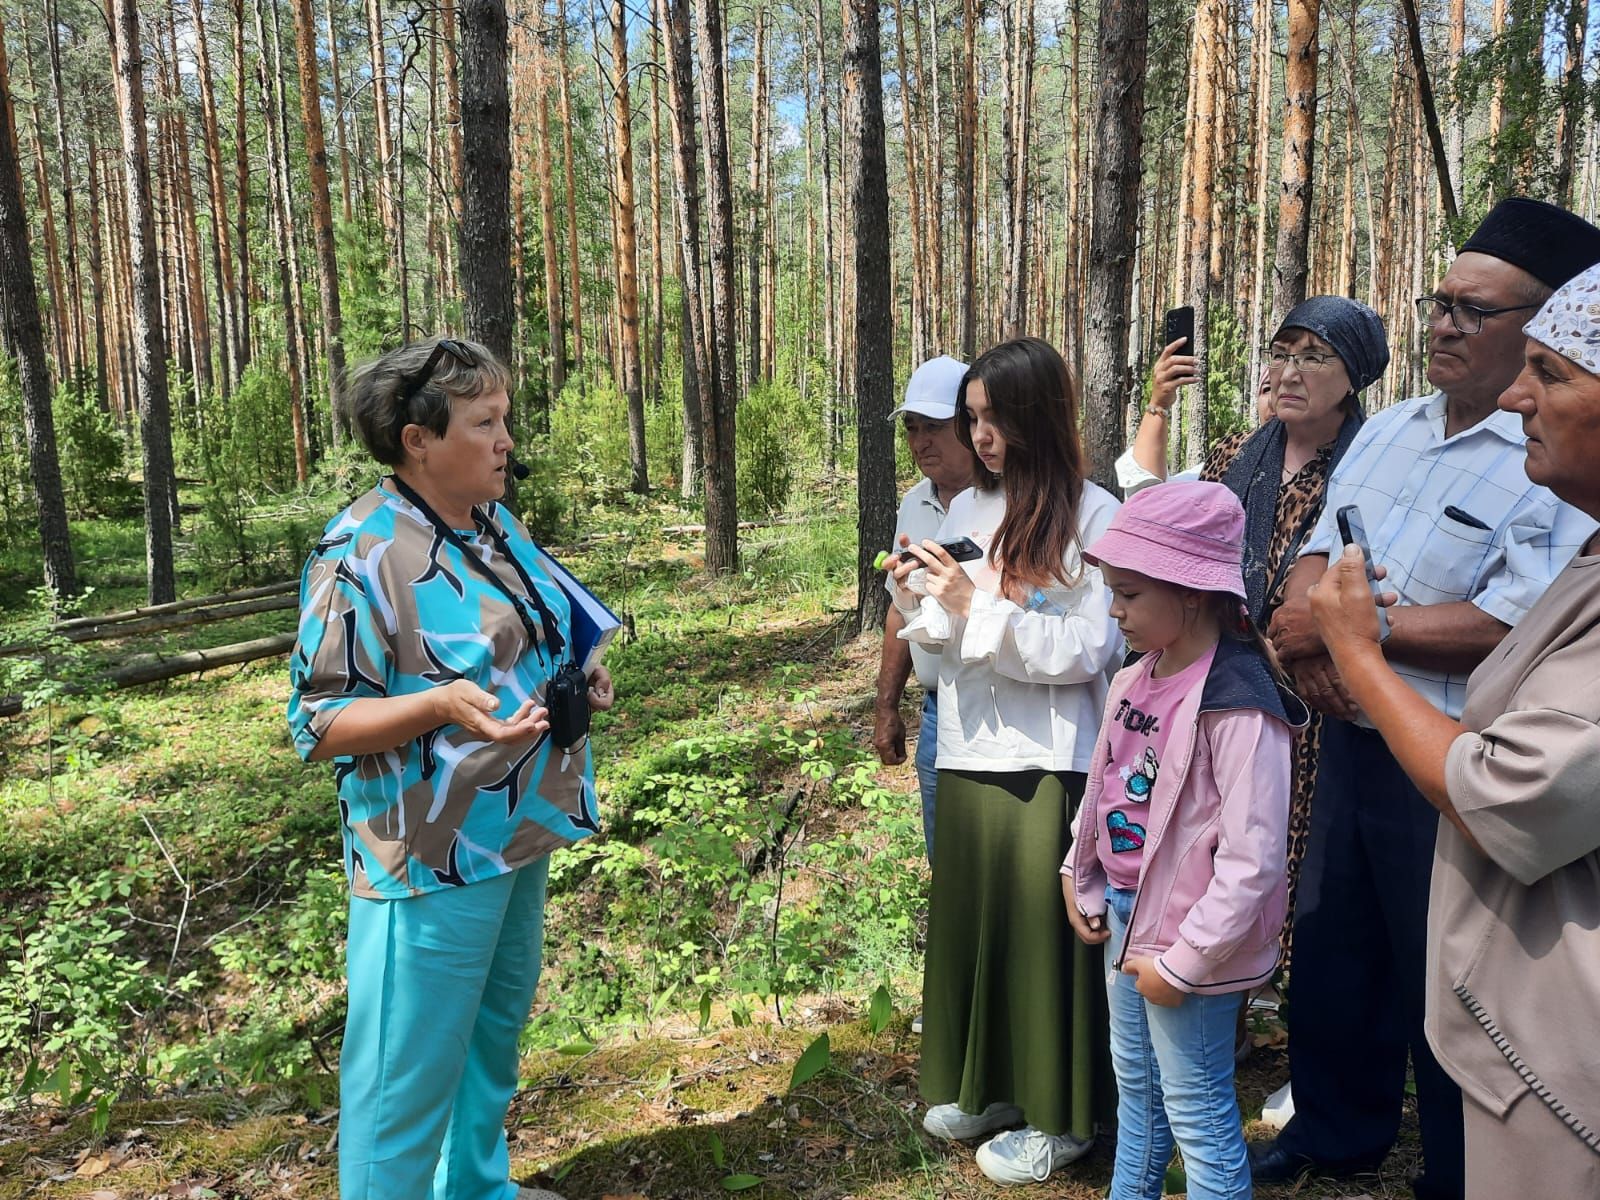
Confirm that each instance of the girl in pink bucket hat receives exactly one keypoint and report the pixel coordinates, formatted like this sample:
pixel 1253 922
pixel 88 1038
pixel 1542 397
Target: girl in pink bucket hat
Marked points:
pixel 1178 867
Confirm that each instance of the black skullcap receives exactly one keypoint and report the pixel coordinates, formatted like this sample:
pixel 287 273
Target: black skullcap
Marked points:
pixel 1353 330
pixel 1547 242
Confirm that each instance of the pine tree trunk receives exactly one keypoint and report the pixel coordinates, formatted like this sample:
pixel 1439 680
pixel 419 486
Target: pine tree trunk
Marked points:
pixel 97 276
pixel 627 249
pixel 60 329
pixel 486 281
pixel 1017 122
pixel 241 197
pixel 1259 178
pixel 831 351
pixel 68 199
pixel 1569 113
pixel 284 246
pixel 1210 19
pixel 24 338
pixel 336 80
pixel 574 266
pixel 1430 112
pixel 221 251
pixel 673 17
pixel 967 181
pixel 1299 145
pixel 554 318
pixel 1118 142
pixel 297 321
pixel 388 208
pixel 155 419
pixel 754 255
pixel 722 506
pixel 908 140
pixel 305 41
pixel 194 275
pixel 657 358
pixel 869 208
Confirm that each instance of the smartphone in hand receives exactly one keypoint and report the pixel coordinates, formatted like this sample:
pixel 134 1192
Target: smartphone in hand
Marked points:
pixel 1179 323
pixel 962 550
pixel 1354 533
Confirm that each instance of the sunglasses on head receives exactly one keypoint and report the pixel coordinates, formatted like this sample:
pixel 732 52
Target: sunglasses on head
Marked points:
pixel 459 351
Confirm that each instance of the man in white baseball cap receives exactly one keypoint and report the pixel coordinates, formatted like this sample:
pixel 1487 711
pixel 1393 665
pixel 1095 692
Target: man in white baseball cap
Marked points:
pixel 929 419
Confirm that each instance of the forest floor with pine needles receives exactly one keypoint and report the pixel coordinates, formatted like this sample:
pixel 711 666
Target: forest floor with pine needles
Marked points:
pixel 170 1002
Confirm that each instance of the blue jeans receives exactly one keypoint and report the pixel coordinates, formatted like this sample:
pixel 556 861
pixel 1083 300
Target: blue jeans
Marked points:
pixel 927 775
pixel 440 987
pixel 1174 1070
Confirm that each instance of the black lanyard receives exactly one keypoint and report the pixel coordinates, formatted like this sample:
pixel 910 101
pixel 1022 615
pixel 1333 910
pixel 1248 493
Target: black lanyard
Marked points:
pixel 554 643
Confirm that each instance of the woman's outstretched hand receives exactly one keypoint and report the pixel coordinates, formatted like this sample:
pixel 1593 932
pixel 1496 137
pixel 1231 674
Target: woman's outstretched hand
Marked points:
pixel 462 702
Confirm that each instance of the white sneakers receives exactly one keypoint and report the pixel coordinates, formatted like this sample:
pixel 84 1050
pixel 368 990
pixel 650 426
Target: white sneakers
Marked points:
pixel 948 1121
pixel 1029 1155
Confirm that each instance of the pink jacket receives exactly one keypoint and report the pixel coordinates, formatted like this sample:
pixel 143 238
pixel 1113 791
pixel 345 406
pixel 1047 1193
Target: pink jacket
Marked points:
pixel 1212 889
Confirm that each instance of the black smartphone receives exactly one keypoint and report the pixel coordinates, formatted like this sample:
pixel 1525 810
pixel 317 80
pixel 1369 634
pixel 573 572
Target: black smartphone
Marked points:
pixel 1354 533
pixel 962 549
pixel 1179 323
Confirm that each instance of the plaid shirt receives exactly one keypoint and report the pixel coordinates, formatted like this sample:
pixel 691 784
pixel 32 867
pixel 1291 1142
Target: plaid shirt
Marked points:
pixel 1412 484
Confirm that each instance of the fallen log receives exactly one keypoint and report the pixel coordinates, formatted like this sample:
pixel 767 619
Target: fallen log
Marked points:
pixel 99 631
pixel 133 614
pixel 156 667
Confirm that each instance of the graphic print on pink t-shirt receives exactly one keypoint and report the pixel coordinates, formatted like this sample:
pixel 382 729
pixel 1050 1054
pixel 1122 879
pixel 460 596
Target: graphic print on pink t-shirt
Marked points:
pixel 1141 729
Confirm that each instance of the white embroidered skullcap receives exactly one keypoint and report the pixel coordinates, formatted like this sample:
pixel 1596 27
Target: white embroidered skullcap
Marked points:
pixel 1569 322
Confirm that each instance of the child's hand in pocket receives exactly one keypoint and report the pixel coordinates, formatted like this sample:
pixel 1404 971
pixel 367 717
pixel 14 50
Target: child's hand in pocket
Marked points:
pixel 1151 984
pixel 1091 931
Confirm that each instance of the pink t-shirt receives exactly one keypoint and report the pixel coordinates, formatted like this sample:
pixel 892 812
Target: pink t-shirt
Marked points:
pixel 1140 729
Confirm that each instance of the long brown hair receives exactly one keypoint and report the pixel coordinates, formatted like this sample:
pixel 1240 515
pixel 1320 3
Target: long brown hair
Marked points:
pixel 1033 400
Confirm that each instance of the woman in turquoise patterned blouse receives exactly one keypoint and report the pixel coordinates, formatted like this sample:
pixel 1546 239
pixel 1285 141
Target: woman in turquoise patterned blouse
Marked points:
pixel 429 632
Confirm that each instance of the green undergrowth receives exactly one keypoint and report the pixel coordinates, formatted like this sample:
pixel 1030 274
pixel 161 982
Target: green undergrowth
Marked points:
pixel 171 942
pixel 174 908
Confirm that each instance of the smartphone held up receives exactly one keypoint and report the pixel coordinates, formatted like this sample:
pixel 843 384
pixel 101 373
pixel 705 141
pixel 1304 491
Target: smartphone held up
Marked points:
pixel 1354 533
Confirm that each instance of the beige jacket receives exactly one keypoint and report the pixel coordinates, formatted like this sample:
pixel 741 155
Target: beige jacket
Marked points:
pixel 1514 930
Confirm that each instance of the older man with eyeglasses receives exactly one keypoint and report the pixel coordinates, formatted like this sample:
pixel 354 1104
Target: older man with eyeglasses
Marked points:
pixel 1468 543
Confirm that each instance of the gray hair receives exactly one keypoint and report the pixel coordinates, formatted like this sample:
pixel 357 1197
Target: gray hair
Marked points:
pixel 375 397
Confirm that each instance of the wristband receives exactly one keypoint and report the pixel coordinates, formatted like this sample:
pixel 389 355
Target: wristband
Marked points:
pixel 1155 410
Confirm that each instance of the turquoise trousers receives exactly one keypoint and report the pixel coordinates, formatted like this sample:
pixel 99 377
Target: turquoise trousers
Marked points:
pixel 440 988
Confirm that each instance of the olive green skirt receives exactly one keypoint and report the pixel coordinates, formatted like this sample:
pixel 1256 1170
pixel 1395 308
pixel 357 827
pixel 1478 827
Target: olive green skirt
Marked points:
pixel 1014 1006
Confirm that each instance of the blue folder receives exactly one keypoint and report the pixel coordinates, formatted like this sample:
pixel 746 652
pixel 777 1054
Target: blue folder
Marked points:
pixel 593 624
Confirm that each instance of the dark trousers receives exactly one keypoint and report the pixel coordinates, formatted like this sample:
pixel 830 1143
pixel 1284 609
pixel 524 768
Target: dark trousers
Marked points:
pixel 1360 954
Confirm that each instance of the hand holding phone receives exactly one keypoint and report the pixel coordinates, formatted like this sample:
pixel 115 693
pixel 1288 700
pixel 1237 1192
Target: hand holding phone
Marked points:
pixel 1179 323
pixel 1176 365
pixel 1354 533
pixel 962 549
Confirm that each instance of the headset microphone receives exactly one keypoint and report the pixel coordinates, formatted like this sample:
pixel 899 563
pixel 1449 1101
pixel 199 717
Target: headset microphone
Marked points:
pixel 517 469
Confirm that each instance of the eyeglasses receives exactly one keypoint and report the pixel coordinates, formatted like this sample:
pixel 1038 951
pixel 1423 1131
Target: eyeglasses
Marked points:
pixel 1306 364
pixel 1467 318
pixel 459 351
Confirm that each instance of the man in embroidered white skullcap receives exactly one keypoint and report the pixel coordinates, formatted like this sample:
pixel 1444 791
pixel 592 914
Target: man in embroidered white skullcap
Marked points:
pixel 1469 544
pixel 1513 946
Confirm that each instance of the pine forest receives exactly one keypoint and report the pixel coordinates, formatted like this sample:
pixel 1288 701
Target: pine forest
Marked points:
pixel 710 241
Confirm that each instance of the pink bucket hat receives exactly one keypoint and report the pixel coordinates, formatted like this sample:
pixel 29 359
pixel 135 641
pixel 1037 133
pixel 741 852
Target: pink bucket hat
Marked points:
pixel 1190 534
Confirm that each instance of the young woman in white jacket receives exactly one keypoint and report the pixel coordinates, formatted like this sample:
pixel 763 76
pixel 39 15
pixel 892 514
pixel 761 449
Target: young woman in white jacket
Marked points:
pixel 1014 1024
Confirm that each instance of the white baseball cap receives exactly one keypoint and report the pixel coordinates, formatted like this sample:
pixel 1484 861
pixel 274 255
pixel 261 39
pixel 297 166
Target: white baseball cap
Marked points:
pixel 931 391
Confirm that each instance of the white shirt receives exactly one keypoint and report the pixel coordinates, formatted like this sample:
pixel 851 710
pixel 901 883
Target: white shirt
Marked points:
pixel 1132 477
pixel 1023 689
pixel 921 514
pixel 1404 473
